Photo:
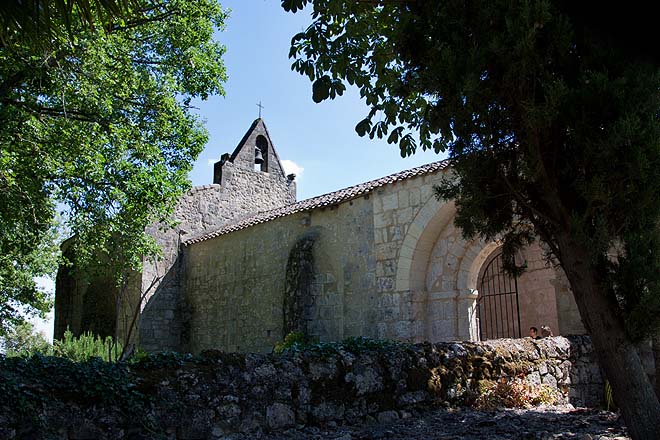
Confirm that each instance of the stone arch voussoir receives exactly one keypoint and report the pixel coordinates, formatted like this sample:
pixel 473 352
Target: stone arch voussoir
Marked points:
pixel 419 241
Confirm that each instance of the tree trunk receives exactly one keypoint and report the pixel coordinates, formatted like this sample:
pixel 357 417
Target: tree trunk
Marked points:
pixel 618 356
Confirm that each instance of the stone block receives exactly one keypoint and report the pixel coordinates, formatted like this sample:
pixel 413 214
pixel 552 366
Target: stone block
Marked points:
pixel 386 251
pixel 279 416
pixel 387 417
pixel 395 233
pixel 382 220
pixel 404 198
pixel 414 197
pixel 404 216
pixel 385 284
pixel 377 205
pixel 390 201
pixel 326 411
pixel 380 235
pixel 426 192
pixel 549 380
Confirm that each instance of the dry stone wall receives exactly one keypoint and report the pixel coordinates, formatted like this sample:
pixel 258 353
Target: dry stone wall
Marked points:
pixel 219 394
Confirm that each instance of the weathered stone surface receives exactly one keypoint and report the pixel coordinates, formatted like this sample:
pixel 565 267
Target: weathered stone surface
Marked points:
pixel 280 416
pixel 7 434
pixel 238 191
pixel 234 394
pixel 388 263
pixel 387 416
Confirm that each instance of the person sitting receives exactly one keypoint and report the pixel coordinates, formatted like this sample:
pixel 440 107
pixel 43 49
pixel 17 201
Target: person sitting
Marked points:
pixel 534 333
pixel 546 331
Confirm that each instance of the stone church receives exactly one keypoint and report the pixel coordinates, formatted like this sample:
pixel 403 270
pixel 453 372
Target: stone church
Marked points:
pixel 247 263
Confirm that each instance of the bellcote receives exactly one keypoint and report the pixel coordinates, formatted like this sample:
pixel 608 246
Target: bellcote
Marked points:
pixel 255 152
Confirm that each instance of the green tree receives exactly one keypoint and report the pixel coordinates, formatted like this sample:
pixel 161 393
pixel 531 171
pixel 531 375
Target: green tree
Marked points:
pixel 552 129
pixel 97 127
pixel 23 340
pixel 32 21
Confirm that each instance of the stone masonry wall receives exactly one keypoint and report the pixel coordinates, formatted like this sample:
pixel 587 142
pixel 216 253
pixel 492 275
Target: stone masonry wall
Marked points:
pixel 402 311
pixel 389 264
pixel 243 192
pixel 220 394
pixel 427 273
pixel 235 283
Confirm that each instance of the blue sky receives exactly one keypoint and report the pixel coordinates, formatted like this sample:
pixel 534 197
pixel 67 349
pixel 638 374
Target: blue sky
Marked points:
pixel 319 138
pixel 316 141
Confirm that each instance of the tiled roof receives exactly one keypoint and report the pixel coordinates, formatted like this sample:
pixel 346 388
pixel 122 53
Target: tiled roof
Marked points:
pixel 329 199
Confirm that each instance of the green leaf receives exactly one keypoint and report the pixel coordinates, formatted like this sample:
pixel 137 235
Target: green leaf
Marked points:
pixel 293 5
pixel 115 158
pixel 363 127
pixel 321 89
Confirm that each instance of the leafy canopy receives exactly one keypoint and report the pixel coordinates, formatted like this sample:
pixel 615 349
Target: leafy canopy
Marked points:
pixel 552 126
pixel 98 127
pixel 33 21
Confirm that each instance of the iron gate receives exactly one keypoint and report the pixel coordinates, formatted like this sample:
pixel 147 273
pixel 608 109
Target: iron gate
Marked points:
pixel 498 311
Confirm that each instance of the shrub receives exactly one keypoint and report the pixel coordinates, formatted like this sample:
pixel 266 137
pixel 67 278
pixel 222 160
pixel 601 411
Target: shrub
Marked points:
pixel 161 359
pixel 294 340
pixel 87 346
pixel 32 383
pixel 298 341
pixel 514 393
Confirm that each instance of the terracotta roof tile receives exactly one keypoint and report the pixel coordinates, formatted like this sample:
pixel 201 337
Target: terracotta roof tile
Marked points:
pixel 329 199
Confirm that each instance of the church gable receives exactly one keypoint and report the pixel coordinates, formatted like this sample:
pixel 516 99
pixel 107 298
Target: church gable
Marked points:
pixel 255 152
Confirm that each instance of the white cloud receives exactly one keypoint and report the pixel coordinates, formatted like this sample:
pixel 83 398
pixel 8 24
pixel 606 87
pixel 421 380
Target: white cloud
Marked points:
pixel 211 161
pixel 292 167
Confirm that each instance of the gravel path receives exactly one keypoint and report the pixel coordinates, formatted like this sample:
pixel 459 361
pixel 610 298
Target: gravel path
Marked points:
pixel 556 422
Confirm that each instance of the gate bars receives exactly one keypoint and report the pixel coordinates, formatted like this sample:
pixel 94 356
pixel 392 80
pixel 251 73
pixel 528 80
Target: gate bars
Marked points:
pixel 498 311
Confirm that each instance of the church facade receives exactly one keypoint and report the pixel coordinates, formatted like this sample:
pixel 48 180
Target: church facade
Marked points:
pixel 247 264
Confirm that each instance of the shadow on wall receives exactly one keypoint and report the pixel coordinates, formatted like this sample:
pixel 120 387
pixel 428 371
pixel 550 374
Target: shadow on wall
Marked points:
pixel 162 324
pixel 90 300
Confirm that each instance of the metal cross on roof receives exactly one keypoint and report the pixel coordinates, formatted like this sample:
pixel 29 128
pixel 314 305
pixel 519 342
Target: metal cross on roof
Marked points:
pixel 260 107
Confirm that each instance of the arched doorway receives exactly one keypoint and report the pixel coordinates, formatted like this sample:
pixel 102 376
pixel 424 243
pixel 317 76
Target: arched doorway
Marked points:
pixel 442 274
pixel 498 308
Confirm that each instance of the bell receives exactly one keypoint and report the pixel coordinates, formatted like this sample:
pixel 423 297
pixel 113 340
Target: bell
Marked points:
pixel 258 157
